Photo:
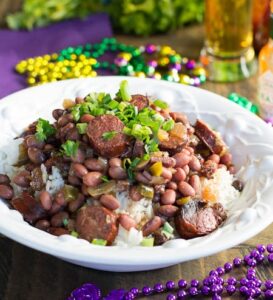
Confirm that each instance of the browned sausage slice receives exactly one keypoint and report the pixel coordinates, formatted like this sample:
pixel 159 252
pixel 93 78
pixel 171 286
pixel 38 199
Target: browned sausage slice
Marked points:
pixel 196 218
pixel 210 138
pixel 31 209
pixel 105 147
pixel 140 101
pixel 96 222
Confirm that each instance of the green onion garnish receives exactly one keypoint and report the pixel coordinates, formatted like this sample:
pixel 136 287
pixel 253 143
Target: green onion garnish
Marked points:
pixel 147 242
pixel 168 125
pixel 109 135
pixel 123 90
pixel 161 104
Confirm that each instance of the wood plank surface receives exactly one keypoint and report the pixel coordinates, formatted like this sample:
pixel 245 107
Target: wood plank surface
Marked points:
pixel 26 274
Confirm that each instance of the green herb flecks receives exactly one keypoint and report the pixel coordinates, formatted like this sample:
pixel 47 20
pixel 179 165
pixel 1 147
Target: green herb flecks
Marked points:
pixel 109 135
pixel 44 130
pixel 105 178
pixel 70 148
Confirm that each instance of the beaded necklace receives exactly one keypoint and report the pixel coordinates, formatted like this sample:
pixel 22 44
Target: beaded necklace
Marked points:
pixel 82 61
pixel 214 285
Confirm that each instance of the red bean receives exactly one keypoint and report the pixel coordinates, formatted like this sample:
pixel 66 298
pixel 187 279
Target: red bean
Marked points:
pixel 73 135
pixel 42 224
pixel 48 148
pixel 36 155
pixel 92 179
pixel 74 180
pixel 4 179
pixel 79 169
pixel 179 175
pixel 186 169
pixel 84 190
pixel 59 198
pixel 57 113
pixel 134 193
pixel 55 208
pixel 182 159
pixel 172 185
pixel 190 149
pixel 65 119
pixel 185 189
pixel 86 118
pixel 194 164
pixel 141 178
pixel 79 157
pixel 94 164
pixel 127 222
pixel 22 179
pixel 58 219
pixel 151 226
pixel 221 166
pixel 117 173
pixel 215 158
pixel 168 197
pixel 194 181
pixel 167 174
pixel 226 159
pixel 115 162
pixel 6 192
pixel 76 204
pixel 109 201
pixel 46 200
pixel 58 231
pixel 31 141
pixel 167 210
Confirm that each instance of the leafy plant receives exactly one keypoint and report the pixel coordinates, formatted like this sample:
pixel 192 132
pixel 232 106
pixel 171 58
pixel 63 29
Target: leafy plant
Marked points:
pixel 142 17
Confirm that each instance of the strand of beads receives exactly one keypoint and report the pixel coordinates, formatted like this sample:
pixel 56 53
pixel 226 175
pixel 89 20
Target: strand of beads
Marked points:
pixel 214 285
pixel 83 61
pixel 244 102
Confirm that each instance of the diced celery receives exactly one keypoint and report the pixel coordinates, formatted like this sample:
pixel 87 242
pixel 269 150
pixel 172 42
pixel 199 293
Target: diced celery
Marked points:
pixel 99 242
pixel 167 234
pixel 74 233
pixel 167 227
pixel 147 242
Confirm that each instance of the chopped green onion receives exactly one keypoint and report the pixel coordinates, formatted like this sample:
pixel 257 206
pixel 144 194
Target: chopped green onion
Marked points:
pixel 113 104
pixel 147 242
pixel 109 135
pixel 76 112
pixel 161 104
pixel 44 130
pixel 106 99
pixel 125 96
pixel 168 125
pixel 74 233
pixel 126 163
pixel 122 106
pixel 82 127
pixel 167 227
pixel 65 222
pixel 70 148
pixel 130 169
pixel 105 178
pixel 99 242
pixel 141 132
pixel 151 146
pixel 146 157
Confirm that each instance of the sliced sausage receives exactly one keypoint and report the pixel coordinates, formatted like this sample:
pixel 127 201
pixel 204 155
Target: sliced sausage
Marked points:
pixel 138 149
pixel 31 209
pixel 197 218
pixel 140 101
pixel 95 222
pixel 113 146
pixel 209 137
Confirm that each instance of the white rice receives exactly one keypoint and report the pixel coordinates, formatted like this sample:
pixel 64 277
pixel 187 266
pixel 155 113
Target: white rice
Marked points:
pixel 54 182
pixel 130 238
pixel 220 185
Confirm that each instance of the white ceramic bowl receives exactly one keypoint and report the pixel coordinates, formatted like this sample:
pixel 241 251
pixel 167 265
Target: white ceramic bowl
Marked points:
pixel 249 138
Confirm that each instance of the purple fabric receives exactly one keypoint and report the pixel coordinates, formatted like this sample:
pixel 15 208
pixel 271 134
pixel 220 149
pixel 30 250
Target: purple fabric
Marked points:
pixel 18 45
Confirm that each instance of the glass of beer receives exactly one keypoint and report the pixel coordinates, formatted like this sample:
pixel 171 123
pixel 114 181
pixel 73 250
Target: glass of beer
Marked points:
pixel 228 53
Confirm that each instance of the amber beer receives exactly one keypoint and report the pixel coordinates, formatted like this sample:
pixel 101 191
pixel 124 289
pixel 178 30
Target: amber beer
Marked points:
pixel 228 27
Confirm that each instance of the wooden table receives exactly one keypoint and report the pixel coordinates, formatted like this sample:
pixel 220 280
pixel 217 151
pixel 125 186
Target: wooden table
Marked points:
pixel 26 274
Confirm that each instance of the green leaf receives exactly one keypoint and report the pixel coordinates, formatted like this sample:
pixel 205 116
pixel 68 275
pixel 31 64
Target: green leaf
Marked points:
pixel 105 178
pixel 161 104
pixel 109 135
pixel 44 130
pixel 70 148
